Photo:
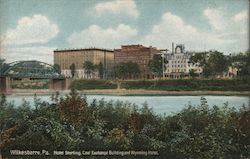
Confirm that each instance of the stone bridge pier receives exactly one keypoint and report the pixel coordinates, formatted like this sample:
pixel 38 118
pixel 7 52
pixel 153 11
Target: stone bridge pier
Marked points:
pixel 5 85
pixel 59 84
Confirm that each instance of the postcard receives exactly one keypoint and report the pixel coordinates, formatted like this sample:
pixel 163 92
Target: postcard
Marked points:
pixel 124 79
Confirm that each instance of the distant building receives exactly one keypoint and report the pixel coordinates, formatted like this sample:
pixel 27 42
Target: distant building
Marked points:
pixel 138 54
pixel 65 58
pixel 178 63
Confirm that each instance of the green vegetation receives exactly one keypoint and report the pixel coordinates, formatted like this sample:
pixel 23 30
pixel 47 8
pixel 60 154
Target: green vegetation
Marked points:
pixel 72 68
pixel 93 84
pixel 57 68
pixel 213 64
pixel 242 62
pixel 155 65
pixel 190 84
pixel 70 123
pixel 100 68
pixel 127 70
pixel 89 67
pixel 242 84
pixel 30 84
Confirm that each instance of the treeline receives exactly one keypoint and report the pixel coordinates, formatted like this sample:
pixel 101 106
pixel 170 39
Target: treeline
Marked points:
pixel 214 64
pixel 70 123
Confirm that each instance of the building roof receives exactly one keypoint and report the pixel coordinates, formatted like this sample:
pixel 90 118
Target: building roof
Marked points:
pixel 83 49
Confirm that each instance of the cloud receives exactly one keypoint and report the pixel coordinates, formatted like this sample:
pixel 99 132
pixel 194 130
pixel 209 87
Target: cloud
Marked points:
pixel 40 53
pixel 224 24
pixel 30 30
pixel 216 18
pixel 127 7
pixel 223 37
pixel 96 36
pixel 240 22
pixel 241 16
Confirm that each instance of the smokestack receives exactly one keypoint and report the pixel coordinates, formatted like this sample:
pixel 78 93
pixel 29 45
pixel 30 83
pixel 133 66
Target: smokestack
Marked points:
pixel 172 47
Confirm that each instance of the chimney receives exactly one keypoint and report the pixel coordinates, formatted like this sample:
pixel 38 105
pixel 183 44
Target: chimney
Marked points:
pixel 172 47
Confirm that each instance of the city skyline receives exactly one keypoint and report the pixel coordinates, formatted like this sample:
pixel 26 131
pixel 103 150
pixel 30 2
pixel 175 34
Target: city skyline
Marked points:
pixel 32 30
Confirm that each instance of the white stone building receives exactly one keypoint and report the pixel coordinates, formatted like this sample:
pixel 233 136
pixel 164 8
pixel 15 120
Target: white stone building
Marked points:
pixel 178 65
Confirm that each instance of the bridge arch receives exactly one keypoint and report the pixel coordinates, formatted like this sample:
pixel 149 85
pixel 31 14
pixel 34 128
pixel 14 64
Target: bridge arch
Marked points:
pixel 32 70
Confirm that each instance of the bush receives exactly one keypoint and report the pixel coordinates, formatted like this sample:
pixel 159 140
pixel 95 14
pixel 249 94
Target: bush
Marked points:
pixel 189 84
pixel 194 132
pixel 93 84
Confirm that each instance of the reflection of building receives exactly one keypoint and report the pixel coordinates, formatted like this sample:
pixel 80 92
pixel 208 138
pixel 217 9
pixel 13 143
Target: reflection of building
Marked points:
pixel 178 64
pixel 65 58
pixel 138 54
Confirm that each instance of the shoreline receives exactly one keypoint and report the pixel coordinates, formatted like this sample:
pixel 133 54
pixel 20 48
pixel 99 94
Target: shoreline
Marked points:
pixel 132 92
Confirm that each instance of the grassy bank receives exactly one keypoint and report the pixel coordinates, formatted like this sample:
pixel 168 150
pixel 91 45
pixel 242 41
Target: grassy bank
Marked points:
pixel 190 85
pixel 93 84
pixel 167 85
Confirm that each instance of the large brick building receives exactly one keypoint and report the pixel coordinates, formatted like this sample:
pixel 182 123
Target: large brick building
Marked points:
pixel 65 58
pixel 138 54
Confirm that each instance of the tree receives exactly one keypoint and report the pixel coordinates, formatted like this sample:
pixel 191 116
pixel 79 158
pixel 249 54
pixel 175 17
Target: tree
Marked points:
pixel 57 68
pixel 72 107
pixel 72 68
pixel 217 63
pixel 245 71
pixel 101 70
pixel 199 58
pixel 132 69
pixel 89 67
pixel 155 65
pixel 127 70
pixel 192 73
pixel 241 61
pixel 213 64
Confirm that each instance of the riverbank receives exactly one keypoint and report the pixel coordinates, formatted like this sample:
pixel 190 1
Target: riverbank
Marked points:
pixel 134 92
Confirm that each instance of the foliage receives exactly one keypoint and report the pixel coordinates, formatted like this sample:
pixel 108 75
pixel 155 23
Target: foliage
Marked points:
pixel 192 73
pixel 93 84
pixel 101 70
pixel 190 84
pixel 242 62
pixel 89 67
pixel 127 70
pixel 213 63
pixel 72 68
pixel 155 65
pixel 70 123
pixel 30 84
pixel 199 58
pixel 72 108
pixel 57 68
pixel 217 63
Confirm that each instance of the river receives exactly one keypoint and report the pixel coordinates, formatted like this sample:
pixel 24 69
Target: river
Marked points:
pixel 160 104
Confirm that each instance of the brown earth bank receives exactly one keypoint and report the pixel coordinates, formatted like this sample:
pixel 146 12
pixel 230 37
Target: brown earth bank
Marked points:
pixel 134 92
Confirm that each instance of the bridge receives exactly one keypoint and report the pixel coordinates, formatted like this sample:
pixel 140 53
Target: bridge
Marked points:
pixel 31 70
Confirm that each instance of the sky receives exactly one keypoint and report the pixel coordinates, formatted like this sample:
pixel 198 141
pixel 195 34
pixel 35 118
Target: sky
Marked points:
pixel 32 29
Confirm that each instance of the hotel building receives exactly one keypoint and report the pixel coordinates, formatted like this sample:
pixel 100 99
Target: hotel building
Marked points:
pixel 138 54
pixel 178 63
pixel 65 58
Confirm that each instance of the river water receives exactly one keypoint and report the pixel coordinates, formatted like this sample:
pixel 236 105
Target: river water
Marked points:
pixel 160 104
